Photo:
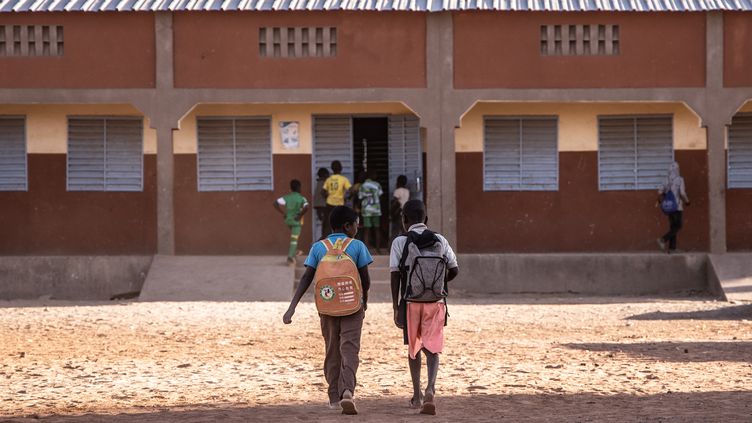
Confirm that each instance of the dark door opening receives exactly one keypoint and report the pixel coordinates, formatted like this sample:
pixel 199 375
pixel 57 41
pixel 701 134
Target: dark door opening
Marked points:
pixel 371 153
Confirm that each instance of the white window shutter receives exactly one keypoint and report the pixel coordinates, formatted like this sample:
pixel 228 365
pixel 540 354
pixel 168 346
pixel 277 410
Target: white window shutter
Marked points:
pixel 634 152
pixel 86 154
pixel 105 154
pixel 234 154
pixel 740 152
pixel 253 155
pixel 520 154
pixel 124 159
pixel 13 163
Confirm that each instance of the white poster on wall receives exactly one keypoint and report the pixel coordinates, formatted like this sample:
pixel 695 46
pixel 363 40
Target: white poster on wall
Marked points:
pixel 290 135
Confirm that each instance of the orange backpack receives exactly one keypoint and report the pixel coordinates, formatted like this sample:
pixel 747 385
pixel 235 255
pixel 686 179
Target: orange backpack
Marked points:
pixel 337 282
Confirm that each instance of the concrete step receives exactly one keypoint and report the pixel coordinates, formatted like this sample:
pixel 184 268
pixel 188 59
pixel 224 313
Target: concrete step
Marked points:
pixel 218 278
pixel 732 275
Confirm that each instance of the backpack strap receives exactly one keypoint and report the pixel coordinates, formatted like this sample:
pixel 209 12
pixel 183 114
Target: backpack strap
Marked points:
pixel 327 244
pixel 346 243
pixel 410 236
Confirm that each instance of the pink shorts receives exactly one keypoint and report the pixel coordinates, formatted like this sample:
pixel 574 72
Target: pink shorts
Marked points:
pixel 425 327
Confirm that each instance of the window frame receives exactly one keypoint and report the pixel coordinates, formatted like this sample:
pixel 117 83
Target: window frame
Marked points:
pixel 729 183
pixel 233 119
pixel 634 117
pixel 520 119
pixel 104 118
pixel 25 153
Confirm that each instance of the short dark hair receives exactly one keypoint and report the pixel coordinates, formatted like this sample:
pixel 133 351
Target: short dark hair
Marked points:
pixel 414 211
pixel 295 185
pixel 401 181
pixel 336 166
pixel 323 173
pixel 342 215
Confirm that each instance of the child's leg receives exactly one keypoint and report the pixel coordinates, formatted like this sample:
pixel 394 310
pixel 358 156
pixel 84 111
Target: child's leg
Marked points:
pixel 415 376
pixel 432 364
pixel 349 347
pixel 294 235
pixel 330 327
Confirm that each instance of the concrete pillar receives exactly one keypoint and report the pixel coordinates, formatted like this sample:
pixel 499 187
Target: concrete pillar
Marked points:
pixel 717 186
pixel 164 124
pixel 164 50
pixel 441 193
pixel 715 121
pixel 165 184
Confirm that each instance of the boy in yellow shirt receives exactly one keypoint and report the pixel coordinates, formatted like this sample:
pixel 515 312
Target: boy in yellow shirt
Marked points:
pixel 335 189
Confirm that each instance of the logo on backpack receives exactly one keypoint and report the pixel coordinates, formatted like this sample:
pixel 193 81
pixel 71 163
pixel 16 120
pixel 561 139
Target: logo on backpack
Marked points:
pixel 337 281
pixel 424 268
pixel 327 293
pixel 669 204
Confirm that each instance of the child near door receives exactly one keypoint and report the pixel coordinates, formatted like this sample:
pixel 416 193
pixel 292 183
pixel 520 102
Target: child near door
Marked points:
pixel 370 193
pixel 295 207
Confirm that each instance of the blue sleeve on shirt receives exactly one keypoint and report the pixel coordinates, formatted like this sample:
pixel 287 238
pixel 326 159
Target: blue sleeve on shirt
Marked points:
pixel 314 256
pixel 359 253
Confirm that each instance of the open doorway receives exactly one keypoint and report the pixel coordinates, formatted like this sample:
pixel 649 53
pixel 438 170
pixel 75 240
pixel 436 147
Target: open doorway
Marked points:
pixel 390 145
pixel 371 154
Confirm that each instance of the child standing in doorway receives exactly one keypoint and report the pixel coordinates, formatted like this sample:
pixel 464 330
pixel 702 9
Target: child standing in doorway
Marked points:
pixel 295 206
pixel 422 322
pixel 370 193
pixel 335 190
pixel 341 333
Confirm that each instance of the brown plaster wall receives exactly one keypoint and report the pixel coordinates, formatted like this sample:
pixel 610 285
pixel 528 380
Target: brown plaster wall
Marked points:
pixel 739 220
pixel 502 50
pixel 737 44
pixel 49 220
pixel 241 222
pixel 102 50
pixel 220 50
pixel 577 218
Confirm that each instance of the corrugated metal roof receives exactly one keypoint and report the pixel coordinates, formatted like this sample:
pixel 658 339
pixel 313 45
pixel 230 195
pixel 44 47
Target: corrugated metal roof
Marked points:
pixel 374 5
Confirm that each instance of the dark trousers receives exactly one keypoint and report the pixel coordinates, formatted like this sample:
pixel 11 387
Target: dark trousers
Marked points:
pixel 675 224
pixel 342 339
pixel 326 227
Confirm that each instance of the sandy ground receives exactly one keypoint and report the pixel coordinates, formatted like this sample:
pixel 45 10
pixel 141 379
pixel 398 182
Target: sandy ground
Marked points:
pixel 506 359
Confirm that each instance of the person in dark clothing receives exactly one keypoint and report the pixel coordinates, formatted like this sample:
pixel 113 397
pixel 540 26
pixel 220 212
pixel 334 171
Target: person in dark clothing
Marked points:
pixel 674 184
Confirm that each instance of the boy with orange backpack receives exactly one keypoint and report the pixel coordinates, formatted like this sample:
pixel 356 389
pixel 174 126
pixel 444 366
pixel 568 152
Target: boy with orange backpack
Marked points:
pixel 338 267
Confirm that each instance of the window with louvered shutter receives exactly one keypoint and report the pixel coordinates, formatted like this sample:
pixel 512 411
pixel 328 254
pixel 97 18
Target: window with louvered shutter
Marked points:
pixel 13 153
pixel 105 154
pixel 740 151
pixel 520 154
pixel 634 152
pixel 234 154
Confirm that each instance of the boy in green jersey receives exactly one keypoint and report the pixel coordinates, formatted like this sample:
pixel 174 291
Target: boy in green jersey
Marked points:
pixel 370 193
pixel 295 206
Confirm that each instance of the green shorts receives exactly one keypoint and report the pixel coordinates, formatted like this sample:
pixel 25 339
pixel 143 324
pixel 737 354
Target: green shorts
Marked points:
pixel 371 221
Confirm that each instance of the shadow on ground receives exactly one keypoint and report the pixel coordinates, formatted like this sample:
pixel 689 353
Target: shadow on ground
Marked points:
pixel 693 407
pixel 737 312
pixel 682 352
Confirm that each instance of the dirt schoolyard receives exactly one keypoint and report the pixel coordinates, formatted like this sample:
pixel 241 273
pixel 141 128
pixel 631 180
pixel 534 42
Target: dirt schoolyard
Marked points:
pixel 519 358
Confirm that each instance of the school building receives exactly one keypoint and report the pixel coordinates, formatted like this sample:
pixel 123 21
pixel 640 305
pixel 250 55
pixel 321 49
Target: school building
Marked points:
pixel 143 127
